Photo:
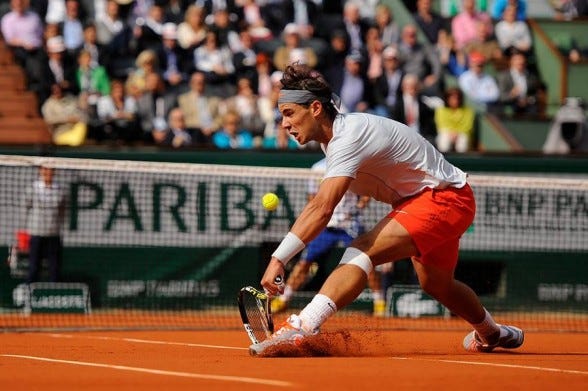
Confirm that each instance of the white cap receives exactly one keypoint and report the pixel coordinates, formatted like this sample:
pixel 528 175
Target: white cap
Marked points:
pixel 291 28
pixel 55 44
pixel 169 31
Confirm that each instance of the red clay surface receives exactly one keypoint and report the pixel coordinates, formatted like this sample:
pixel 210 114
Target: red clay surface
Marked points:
pixel 218 360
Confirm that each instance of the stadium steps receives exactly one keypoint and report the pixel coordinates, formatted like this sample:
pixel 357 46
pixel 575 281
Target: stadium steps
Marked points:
pixel 20 122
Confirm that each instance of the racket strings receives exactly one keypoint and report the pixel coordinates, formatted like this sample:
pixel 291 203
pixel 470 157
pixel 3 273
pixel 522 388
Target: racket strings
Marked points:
pixel 257 317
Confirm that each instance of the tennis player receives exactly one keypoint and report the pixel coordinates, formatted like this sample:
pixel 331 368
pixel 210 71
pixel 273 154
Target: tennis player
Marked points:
pixel 432 203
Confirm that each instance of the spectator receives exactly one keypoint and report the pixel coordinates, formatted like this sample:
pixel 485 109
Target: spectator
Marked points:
pixel 387 87
pixel 45 204
pixel 373 53
pixel 292 51
pixel 486 44
pixel 173 11
pixel 146 63
pixel 55 70
pixel 118 114
pixel 334 64
pixel 388 28
pixel 216 62
pixel 148 31
pixel 92 83
pixel 54 11
pixel 454 60
pixel 65 118
pixel 478 85
pixel 22 30
pixel 89 44
pixel 231 135
pixel 261 76
pixel 454 122
pixel 154 106
pixel 512 33
pixel 175 135
pixel 454 7
pixel 110 24
pixel 464 26
pixel 73 30
pixel 354 90
pixel 412 110
pixel 192 31
pixel 354 25
pixel 520 89
pixel 252 17
pixel 254 112
pixel 173 61
pixel 304 14
pixel 201 110
pixel 500 5
pixel 420 60
pixel 225 29
pixel 245 59
pixel 428 20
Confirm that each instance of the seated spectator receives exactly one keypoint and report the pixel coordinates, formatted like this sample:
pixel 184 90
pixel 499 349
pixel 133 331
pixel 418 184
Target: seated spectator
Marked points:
pixel 354 25
pixel 118 115
pixel 513 34
pixel 173 11
pixel 428 20
pixel 201 110
pixel 224 25
pixel 486 44
pixel 334 65
pixel 453 59
pixel 464 26
pixel 22 30
pixel 146 63
pixel 262 83
pixel 109 24
pixel 412 110
pixel 520 89
pixel 254 112
pixel 92 83
pixel 354 88
pixel 373 53
pixel 387 87
pixel 154 106
pixel 252 17
pixel 65 118
pixel 55 70
pixel 245 58
pixel 291 50
pixel 478 85
pixel 72 28
pixel 420 60
pixel 231 135
pixel 454 7
pixel 216 62
pixel 388 28
pixel 570 9
pixel 147 32
pixel 175 134
pixel 192 31
pixel 173 61
pixel 454 122
pixel 91 45
pixel 500 5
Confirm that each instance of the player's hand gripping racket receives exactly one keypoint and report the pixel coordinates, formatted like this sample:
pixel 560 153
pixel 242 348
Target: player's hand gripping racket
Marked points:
pixel 255 310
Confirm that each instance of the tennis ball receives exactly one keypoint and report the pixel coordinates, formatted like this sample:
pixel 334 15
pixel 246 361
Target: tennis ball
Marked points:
pixel 270 201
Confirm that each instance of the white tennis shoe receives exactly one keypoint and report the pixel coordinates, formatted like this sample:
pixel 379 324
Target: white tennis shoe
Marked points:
pixel 511 338
pixel 290 332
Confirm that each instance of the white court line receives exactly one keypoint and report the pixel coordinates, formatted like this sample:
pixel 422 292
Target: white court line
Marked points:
pixel 238 379
pixel 491 364
pixel 149 341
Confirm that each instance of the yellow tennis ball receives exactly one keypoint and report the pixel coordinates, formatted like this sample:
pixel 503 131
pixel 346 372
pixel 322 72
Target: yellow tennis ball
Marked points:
pixel 270 201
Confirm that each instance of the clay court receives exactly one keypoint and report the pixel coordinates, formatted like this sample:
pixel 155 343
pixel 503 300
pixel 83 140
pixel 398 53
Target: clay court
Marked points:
pixel 370 355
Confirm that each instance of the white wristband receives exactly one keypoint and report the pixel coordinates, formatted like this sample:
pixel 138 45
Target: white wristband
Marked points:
pixel 290 246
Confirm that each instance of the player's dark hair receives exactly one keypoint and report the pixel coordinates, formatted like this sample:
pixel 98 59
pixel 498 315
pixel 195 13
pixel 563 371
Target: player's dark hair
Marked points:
pixel 299 76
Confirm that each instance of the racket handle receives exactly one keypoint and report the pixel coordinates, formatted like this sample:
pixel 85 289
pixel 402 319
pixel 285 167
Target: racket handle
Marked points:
pixel 279 281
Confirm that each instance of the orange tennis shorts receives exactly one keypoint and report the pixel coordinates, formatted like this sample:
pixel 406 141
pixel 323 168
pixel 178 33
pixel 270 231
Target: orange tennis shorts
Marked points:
pixel 436 219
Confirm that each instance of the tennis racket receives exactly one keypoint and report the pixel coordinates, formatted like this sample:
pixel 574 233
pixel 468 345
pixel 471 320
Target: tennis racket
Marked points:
pixel 255 313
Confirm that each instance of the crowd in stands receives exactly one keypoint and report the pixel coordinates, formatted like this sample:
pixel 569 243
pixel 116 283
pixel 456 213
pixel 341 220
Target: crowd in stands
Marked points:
pixel 182 73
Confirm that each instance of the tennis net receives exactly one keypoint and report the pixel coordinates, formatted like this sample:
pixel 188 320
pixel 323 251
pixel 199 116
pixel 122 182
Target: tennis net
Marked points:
pixel 168 245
